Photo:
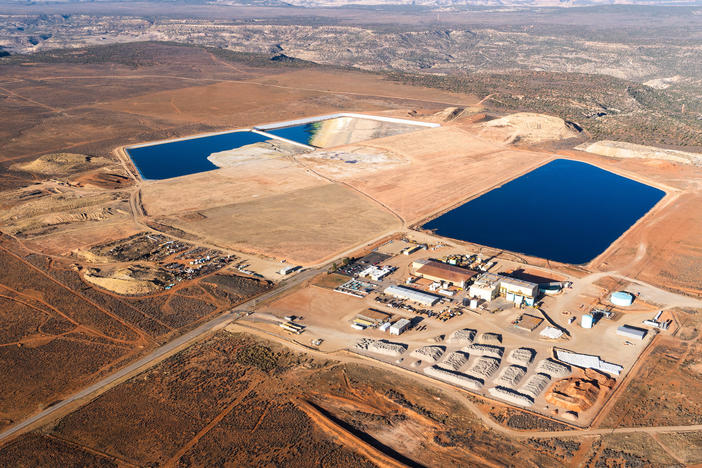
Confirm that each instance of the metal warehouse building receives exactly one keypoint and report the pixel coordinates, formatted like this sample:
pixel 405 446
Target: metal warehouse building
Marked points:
pixel 443 272
pixel 420 297
pixel 631 332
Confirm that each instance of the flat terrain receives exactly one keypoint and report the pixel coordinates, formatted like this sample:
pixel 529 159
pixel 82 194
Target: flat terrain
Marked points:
pixel 305 226
pixel 78 224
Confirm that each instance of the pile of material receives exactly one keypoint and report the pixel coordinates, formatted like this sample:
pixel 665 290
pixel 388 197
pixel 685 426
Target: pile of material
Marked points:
pixel 456 378
pixel 485 350
pixel 578 393
pixel 383 347
pixel 490 338
pixel 455 360
pixel 428 353
pixel 528 127
pixel 511 396
pixel 535 385
pixel 484 367
pixel 551 333
pixel 510 376
pixel 555 369
pixel 619 149
pixel 462 337
pixel 522 356
pixel 61 164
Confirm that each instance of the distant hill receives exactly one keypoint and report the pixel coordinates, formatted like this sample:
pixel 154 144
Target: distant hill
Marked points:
pixel 346 3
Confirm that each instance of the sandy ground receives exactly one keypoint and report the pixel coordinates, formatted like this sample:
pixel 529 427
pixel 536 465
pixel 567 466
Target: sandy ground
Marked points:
pixel 248 182
pixel 303 226
pixel 364 84
pixel 618 149
pixel 80 237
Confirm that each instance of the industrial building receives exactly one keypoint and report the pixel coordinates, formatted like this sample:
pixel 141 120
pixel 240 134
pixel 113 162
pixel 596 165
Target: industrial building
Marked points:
pixel 587 321
pixel 486 286
pixel 410 294
pixel 631 332
pixel 519 291
pixel 377 273
pixel 443 272
pixel 399 327
pixel 622 298
pixel 489 285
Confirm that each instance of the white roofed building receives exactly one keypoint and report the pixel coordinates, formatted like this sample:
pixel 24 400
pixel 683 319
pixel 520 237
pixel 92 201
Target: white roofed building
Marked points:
pixel 413 295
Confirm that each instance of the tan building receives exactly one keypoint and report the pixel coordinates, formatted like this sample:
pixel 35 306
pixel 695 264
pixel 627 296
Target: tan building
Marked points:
pixel 518 287
pixel 485 287
pixel 443 272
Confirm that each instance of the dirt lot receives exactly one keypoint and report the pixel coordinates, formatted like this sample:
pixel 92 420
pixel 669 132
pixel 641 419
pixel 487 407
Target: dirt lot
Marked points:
pixel 686 445
pixel 225 186
pixel 305 226
pixel 629 450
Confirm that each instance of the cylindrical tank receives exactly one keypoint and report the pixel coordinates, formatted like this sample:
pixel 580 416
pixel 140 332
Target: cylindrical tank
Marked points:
pixel 622 298
pixel 586 321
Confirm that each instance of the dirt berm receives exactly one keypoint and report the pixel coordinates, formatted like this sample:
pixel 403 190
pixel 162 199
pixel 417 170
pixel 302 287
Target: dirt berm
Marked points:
pixel 620 149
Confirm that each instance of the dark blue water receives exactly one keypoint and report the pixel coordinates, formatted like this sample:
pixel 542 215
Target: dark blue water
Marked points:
pixel 566 211
pixel 300 133
pixel 179 158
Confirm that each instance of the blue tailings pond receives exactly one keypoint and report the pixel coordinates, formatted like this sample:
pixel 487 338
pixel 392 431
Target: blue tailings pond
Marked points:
pixel 189 156
pixel 567 211
pixel 304 133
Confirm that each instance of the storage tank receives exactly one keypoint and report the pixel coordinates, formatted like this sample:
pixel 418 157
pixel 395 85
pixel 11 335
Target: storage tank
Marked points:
pixel 622 298
pixel 586 321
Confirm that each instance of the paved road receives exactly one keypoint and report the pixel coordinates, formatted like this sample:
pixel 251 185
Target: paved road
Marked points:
pixel 154 357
